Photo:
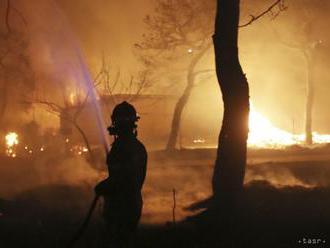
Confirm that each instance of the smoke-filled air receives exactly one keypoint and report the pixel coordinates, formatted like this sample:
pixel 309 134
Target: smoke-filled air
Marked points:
pixel 164 123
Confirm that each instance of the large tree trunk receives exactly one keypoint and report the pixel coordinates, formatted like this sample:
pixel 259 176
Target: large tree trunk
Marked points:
pixel 309 100
pixel 181 103
pixel 229 170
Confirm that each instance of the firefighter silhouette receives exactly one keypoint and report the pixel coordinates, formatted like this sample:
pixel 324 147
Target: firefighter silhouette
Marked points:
pixel 127 161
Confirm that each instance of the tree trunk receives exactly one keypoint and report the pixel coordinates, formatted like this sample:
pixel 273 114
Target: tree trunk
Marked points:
pixel 309 100
pixel 179 106
pixel 181 103
pixel 229 170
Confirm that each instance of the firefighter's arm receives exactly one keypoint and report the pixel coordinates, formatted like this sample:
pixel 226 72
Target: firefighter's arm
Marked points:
pixel 103 187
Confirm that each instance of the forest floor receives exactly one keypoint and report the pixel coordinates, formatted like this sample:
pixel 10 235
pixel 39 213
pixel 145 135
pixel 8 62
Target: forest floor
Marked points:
pixel 285 203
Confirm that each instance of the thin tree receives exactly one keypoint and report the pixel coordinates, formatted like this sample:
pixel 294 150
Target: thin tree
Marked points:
pixel 308 44
pixel 16 75
pixel 71 109
pixel 179 33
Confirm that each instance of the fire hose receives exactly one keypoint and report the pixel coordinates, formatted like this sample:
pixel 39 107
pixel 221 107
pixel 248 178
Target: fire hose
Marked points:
pixel 84 225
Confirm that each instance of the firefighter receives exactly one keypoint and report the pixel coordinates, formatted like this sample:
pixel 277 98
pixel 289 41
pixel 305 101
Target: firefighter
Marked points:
pixel 127 161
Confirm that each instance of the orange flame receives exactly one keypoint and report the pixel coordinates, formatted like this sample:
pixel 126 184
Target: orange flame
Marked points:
pixel 11 143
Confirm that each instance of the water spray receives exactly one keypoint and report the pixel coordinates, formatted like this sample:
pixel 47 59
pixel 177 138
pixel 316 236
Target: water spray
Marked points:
pixel 92 93
pixel 102 134
pixel 94 99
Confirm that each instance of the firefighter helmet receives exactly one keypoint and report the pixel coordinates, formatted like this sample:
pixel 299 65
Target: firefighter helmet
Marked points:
pixel 123 119
pixel 124 113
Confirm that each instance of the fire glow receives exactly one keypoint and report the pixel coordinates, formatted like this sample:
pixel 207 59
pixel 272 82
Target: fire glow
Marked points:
pixel 262 134
pixel 11 143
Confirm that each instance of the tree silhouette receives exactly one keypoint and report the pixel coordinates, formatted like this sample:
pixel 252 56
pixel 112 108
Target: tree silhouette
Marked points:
pixel 179 31
pixel 113 85
pixel 70 110
pixel 16 75
pixel 229 170
pixel 309 43
pixel 230 164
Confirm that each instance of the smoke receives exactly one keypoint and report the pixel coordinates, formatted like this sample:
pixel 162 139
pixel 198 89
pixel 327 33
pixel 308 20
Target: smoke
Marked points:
pixel 54 178
pixel 19 175
pixel 72 171
pixel 272 54
pixel 191 177
pixel 190 182
pixel 279 176
pixel 308 172
pixel 274 70
pixel 277 78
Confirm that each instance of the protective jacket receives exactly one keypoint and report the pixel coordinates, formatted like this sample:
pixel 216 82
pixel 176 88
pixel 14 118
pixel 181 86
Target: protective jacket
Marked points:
pixel 127 161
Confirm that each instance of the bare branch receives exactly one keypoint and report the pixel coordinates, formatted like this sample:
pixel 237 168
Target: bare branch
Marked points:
pixel 110 88
pixel 130 86
pixel 7 17
pixel 115 81
pixel 82 105
pixel 52 108
pixel 140 86
pixel 10 8
pixel 253 18
pixel 20 15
